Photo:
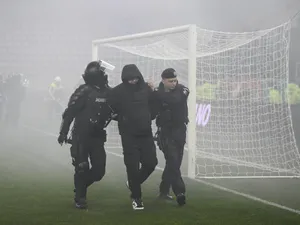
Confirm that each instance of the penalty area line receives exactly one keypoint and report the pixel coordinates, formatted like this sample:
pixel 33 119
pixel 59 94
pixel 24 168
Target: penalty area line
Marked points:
pixel 219 187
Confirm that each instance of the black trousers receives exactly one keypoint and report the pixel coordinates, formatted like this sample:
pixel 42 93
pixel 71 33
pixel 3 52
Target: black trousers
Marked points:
pixel 172 145
pixel 91 149
pixel 140 160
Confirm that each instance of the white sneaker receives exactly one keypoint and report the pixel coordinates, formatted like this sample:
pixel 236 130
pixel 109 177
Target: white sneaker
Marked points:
pixel 137 204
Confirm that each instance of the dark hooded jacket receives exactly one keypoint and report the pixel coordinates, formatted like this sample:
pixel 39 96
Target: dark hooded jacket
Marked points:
pixel 131 102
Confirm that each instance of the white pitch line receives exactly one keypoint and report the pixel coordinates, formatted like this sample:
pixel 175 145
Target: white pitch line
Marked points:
pixel 251 197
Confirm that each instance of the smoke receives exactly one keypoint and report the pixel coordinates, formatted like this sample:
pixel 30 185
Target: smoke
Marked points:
pixel 45 39
pixel 49 38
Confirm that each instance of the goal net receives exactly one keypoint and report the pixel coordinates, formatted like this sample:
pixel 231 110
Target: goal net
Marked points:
pixel 240 120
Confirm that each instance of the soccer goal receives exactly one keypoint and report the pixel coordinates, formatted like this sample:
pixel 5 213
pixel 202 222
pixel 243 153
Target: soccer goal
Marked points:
pixel 240 120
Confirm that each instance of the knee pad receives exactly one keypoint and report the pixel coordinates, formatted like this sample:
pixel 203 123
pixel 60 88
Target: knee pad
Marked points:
pixel 83 167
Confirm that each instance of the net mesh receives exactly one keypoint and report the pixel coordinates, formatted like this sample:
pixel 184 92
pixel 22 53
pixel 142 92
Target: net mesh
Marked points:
pixel 243 116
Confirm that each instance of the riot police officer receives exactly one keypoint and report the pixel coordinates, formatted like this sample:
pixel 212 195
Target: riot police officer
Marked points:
pixel 172 118
pixel 91 113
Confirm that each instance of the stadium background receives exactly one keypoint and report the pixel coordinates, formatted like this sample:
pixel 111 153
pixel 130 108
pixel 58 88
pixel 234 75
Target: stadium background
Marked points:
pixel 44 39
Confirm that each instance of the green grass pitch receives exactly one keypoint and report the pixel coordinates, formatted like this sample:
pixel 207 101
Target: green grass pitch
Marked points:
pixel 36 188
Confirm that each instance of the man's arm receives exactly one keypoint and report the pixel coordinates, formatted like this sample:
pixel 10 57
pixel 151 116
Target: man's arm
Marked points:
pixel 114 101
pixel 76 103
pixel 153 102
pixel 186 92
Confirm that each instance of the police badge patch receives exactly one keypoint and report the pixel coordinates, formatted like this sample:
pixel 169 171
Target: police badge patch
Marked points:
pixel 186 91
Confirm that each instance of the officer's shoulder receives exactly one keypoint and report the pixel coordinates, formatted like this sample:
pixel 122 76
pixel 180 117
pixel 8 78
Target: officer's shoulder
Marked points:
pixel 185 90
pixel 82 89
pixel 79 93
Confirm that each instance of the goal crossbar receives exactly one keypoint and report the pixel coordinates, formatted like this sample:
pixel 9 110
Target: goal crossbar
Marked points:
pixel 143 35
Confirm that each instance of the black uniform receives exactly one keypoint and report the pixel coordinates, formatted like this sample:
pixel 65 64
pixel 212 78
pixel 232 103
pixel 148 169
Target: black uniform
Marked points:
pixel 88 106
pixel 171 122
pixel 132 104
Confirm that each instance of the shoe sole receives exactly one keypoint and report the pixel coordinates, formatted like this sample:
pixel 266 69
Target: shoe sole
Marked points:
pixel 80 206
pixel 140 208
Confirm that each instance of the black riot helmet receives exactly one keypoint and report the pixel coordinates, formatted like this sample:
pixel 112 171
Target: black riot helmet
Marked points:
pixel 94 74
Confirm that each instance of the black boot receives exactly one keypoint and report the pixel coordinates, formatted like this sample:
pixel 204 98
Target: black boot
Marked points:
pixel 80 199
pixel 81 203
pixel 181 199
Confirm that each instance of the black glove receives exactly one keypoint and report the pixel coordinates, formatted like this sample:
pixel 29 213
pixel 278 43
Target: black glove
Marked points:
pixel 62 138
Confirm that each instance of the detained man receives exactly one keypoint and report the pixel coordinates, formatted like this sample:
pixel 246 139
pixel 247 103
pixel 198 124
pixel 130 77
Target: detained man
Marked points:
pixel 131 101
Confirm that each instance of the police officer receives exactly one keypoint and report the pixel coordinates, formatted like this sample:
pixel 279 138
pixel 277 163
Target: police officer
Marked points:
pixel 172 118
pixel 88 106
pixel 54 86
pixel 55 97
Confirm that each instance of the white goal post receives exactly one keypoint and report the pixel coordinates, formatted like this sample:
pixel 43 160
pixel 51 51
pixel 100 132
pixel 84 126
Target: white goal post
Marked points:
pixel 235 130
